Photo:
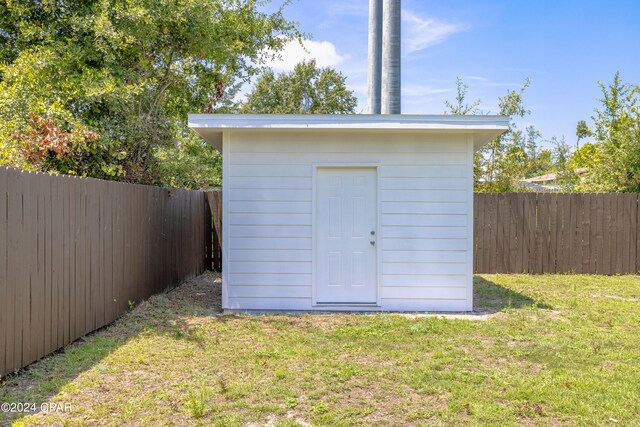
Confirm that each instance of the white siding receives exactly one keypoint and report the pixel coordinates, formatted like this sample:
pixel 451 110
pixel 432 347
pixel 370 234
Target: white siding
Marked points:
pixel 424 234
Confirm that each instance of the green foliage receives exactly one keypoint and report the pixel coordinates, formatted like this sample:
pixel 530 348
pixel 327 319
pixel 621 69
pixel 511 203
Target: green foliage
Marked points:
pixel 191 163
pixel 128 70
pixel 501 164
pixel 516 154
pixel 582 132
pixel 460 107
pixel 305 90
pixel 613 160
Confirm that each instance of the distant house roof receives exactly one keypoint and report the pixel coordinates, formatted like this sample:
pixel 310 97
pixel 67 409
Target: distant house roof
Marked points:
pixel 551 176
pixel 542 178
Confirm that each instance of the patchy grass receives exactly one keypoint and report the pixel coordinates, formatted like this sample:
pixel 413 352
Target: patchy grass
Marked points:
pixel 556 350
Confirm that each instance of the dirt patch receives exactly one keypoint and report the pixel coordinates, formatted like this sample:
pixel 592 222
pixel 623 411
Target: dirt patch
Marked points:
pixel 203 291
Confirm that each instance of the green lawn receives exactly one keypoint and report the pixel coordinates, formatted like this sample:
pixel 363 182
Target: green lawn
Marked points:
pixel 555 350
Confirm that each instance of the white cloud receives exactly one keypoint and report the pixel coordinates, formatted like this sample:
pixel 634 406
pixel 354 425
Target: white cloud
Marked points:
pixel 417 90
pixel 324 52
pixel 421 33
pixel 485 82
pixel 476 78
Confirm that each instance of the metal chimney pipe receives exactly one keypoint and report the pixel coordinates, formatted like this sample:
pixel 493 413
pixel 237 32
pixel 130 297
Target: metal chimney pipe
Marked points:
pixel 375 57
pixel 391 30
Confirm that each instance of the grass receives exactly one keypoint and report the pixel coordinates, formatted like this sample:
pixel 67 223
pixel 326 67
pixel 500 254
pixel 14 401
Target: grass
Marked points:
pixel 552 350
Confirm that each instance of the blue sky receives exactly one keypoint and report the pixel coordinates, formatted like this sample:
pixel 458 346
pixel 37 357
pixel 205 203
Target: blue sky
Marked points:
pixel 564 46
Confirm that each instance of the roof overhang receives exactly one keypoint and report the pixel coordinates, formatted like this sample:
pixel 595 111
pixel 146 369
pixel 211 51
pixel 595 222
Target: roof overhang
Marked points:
pixel 482 128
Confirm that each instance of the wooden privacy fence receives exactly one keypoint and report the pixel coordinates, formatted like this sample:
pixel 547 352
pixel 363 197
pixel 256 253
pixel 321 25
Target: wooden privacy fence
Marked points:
pixel 556 233
pixel 74 252
pixel 214 230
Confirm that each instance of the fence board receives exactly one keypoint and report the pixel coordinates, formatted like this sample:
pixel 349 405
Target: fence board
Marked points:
pixel 4 289
pixel 27 246
pixel 39 293
pixel 74 251
pixel 576 236
pixel 633 266
pixel 14 228
pixel 557 233
pixel 637 269
pixel 530 236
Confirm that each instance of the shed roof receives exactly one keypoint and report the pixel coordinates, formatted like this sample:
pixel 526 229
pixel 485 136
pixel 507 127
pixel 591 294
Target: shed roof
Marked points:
pixel 482 128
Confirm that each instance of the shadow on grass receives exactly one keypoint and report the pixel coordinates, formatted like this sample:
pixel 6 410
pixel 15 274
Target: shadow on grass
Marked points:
pixel 489 297
pixel 163 314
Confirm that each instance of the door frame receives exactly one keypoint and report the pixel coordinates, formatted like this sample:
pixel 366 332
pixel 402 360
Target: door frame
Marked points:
pixel 314 230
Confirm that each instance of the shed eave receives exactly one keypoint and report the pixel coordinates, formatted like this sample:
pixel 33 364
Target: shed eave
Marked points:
pixel 482 128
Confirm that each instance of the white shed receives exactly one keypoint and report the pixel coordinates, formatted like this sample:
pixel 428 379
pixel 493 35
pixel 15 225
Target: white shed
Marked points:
pixel 347 212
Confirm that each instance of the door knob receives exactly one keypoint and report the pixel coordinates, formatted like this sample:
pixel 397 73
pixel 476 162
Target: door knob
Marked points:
pixel 373 242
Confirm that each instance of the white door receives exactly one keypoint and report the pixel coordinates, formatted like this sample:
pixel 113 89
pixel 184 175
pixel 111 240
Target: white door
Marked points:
pixel 346 235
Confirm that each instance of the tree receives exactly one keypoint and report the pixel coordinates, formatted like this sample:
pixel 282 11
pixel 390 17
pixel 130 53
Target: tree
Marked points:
pixel 613 160
pixel 307 89
pixel 582 132
pixel 501 164
pixel 127 71
pixel 461 108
